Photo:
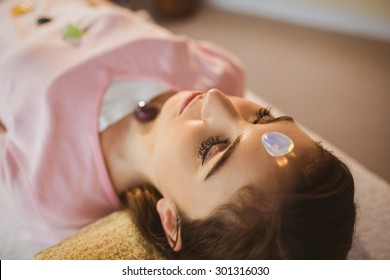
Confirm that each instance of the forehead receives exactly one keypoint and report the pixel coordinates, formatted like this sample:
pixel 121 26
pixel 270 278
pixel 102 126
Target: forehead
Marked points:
pixel 252 165
pixel 261 167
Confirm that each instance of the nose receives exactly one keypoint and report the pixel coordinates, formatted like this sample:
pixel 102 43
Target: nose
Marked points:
pixel 218 109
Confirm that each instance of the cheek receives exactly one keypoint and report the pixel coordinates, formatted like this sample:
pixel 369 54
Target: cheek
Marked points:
pixel 175 177
pixel 177 169
pixel 175 156
pixel 164 162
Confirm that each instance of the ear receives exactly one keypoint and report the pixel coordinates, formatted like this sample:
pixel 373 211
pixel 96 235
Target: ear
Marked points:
pixel 167 211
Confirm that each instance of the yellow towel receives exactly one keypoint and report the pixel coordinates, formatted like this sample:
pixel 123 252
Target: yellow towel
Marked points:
pixel 110 238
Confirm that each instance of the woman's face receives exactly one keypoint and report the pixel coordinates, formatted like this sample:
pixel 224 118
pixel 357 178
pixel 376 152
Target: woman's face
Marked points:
pixel 208 145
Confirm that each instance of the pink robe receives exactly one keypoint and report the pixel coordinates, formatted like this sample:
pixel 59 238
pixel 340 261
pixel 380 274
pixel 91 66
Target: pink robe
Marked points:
pixel 53 178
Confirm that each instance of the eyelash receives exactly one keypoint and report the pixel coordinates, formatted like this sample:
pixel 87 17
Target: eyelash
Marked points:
pixel 206 145
pixel 261 114
pixel 209 143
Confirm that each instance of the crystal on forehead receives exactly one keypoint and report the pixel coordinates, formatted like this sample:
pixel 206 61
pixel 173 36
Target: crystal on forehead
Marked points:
pixel 277 144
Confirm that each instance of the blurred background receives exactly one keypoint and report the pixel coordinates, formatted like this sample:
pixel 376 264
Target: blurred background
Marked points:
pixel 325 62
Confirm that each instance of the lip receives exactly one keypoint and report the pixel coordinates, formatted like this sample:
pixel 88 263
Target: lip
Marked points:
pixel 188 100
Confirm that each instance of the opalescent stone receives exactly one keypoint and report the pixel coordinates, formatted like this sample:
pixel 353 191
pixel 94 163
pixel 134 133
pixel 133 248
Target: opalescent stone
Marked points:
pixel 277 144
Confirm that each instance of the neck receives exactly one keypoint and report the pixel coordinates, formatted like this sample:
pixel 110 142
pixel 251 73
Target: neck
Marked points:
pixel 124 154
pixel 127 148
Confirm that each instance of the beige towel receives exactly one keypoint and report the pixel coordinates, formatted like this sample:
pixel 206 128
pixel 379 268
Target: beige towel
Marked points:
pixel 112 237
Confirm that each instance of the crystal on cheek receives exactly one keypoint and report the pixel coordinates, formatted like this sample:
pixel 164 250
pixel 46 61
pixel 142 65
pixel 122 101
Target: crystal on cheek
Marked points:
pixel 277 144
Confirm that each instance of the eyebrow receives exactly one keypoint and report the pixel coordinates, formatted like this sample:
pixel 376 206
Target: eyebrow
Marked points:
pixel 225 157
pixel 281 119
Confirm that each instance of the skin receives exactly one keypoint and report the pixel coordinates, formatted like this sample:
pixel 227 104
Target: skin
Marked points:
pixel 165 153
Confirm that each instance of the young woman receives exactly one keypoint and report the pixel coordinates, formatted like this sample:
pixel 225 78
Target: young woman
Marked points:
pixel 95 105
pixel 221 192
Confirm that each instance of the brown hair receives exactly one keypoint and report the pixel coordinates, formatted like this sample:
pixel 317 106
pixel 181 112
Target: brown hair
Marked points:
pixel 314 220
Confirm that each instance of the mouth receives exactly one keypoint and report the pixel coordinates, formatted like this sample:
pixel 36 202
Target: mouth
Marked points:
pixel 188 100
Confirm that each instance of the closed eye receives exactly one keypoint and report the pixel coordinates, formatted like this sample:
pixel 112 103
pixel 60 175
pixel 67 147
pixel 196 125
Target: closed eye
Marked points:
pixel 263 116
pixel 212 146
